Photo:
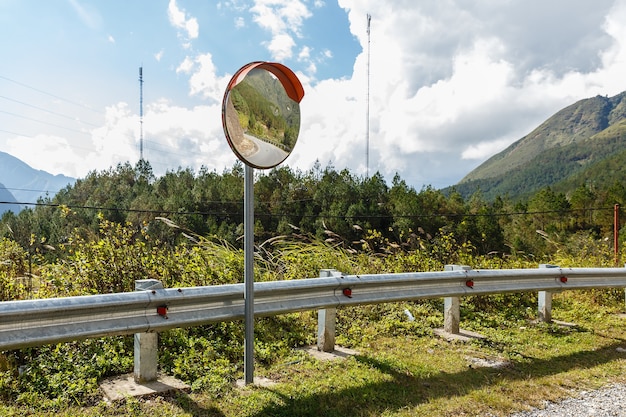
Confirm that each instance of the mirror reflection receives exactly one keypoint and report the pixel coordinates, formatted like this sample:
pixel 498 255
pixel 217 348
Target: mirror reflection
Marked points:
pixel 261 121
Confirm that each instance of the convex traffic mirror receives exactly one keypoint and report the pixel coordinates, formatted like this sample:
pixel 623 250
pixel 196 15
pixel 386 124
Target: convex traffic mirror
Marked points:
pixel 261 113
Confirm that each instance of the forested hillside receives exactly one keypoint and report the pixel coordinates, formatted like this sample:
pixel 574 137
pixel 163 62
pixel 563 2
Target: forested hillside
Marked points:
pixel 353 212
pixel 566 149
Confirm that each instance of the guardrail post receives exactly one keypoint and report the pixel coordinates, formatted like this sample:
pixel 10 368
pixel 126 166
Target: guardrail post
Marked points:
pixel 146 344
pixel 452 306
pixel 544 301
pixel 326 321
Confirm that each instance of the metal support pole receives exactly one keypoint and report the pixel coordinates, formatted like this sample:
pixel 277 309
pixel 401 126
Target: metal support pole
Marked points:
pixel 616 233
pixel 146 344
pixel 452 306
pixel 248 214
pixel 326 321
pixel 544 301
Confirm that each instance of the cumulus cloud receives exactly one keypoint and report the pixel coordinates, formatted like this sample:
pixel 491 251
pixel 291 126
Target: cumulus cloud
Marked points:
pixel 470 79
pixel 284 20
pixel 178 18
pixel 203 78
pixel 59 154
pixel 280 46
pixel 191 142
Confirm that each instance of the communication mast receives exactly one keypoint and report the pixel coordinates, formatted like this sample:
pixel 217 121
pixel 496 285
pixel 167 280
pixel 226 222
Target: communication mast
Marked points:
pixel 141 113
pixel 367 118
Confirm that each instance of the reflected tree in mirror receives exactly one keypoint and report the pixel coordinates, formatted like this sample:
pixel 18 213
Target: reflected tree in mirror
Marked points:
pixel 261 120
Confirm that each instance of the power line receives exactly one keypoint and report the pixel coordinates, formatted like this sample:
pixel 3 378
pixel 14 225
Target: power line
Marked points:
pixel 48 111
pixel 153 146
pixel 50 94
pixel 387 216
pixel 43 122
pixel 116 209
pixel 15 133
pixel 29 190
pixel 149 144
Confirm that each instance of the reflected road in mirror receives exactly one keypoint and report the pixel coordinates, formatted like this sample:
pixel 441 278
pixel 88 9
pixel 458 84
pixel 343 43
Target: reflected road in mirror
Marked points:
pixel 261 121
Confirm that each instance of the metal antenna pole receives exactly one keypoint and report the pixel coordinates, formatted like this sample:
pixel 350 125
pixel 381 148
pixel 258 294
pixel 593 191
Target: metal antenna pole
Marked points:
pixel 248 238
pixel 367 119
pixel 141 113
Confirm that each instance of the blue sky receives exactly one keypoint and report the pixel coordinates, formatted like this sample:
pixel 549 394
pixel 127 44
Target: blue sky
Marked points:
pixel 451 82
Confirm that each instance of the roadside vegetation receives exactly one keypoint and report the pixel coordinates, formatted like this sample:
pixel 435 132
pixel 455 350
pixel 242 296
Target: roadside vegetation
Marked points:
pixel 64 248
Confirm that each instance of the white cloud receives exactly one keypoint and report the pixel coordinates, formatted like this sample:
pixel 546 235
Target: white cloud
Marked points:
pixel 204 80
pixel 179 20
pixel 280 46
pixel 54 153
pixel 305 53
pixel 484 150
pixel 186 66
pixel 116 141
pixel 284 20
pixel 191 142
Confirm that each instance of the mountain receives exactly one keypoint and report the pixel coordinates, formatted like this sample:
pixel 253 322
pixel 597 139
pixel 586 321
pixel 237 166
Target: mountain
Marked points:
pixel 7 198
pixel 24 184
pixel 563 151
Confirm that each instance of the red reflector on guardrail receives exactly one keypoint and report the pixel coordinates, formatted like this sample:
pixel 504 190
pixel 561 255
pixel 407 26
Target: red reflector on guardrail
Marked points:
pixel 347 292
pixel 469 283
pixel 563 280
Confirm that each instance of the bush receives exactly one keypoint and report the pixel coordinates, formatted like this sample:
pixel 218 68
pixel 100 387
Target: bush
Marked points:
pixel 12 270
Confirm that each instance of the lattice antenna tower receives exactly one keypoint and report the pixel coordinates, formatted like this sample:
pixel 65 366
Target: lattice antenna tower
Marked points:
pixel 141 113
pixel 367 101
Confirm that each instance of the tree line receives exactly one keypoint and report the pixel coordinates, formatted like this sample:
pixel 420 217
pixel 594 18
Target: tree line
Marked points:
pixel 338 207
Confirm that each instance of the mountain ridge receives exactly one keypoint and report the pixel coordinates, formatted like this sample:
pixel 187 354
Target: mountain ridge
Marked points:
pixel 565 145
pixel 23 184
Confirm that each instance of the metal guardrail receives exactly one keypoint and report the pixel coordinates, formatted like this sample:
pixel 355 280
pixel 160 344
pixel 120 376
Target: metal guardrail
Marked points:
pixel 36 322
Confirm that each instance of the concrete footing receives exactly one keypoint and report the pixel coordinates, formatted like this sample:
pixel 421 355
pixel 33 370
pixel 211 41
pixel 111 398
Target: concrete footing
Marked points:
pixel 337 353
pixel 124 386
pixel 257 381
pixel 461 336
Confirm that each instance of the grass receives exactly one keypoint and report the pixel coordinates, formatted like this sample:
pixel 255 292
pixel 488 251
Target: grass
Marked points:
pixel 415 373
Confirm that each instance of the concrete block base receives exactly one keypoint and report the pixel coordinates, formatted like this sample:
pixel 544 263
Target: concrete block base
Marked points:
pixel 461 336
pixel 257 381
pixel 124 386
pixel 338 353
